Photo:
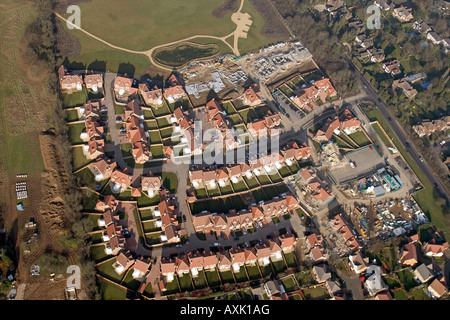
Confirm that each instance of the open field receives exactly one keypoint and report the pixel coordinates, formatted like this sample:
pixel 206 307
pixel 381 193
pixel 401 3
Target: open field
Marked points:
pixel 148 23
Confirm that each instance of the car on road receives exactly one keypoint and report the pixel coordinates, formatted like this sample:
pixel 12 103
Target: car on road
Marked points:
pixel 420 158
pixel 389 118
pixel 217 244
pixel 364 86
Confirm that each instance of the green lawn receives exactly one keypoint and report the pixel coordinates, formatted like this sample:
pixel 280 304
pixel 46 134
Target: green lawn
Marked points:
pixel 253 272
pixel 266 270
pixel 252 182
pixel 109 291
pixel 185 283
pixel 284 171
pixel 89 200
pixel 381 134
pixel 229 108
pixel 150 124
pixel 157 151
pixel 263 179
pixel 213 192
pixel 166 132
pixel 360 138
pixel 419 294
pixel 145 201
pixel 259 195
pixel 154 137
pixel 240 186
pixel 106 270
pixel 290 259
pixel 172 287
pixel 146 214
pixel 163 122
pixel 317 293
pixel 226 190
pixel 241 276
pixel 75 129
pixel 199 281
pixel 407 279
pixel 213 278
pixel 270 192
pixel 75 99
pixel 131 283
pixel 227 277
pixel 213 205
pixel 201 193
pixel 170 181
pixel 71 115
pixel 289 284
pixel 182 53
pixel 248 115
pixel 278 266
pixel 98 254
pixel 400 295
pixel 226 204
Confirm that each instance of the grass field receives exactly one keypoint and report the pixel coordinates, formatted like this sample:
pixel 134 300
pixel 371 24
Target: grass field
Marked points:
pixel 152 22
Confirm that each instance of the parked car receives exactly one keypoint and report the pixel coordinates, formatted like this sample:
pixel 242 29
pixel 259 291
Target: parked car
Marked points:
pixel 184 218
pixel 217 244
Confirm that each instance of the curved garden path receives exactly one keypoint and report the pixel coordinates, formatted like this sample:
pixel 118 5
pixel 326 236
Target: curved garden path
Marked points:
pixel 237 33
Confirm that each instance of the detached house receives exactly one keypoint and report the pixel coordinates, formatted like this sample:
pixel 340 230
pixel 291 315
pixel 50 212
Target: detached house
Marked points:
pixel 325 133
pixel 432 249
pixel 103 168
pixel 69 83
pixel 123 262
pixel 292 152
pixel 252 96
pixel 140 268
pixel 406 88
pixel 358 263
pixel 153 97
pixel 151 185
pixel 409 255
pixel 403 14
pixel 175 91
pixel 95 148
pixel 167 269
pixel 121 180
pixel 94 82
pixel 392 68
pixel 437 288
pixel 124 86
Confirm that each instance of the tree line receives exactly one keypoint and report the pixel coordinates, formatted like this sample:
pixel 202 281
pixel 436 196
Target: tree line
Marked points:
pixel 42 40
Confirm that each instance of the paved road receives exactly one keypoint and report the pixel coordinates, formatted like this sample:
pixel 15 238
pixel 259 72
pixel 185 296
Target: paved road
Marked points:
pixel 401 135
